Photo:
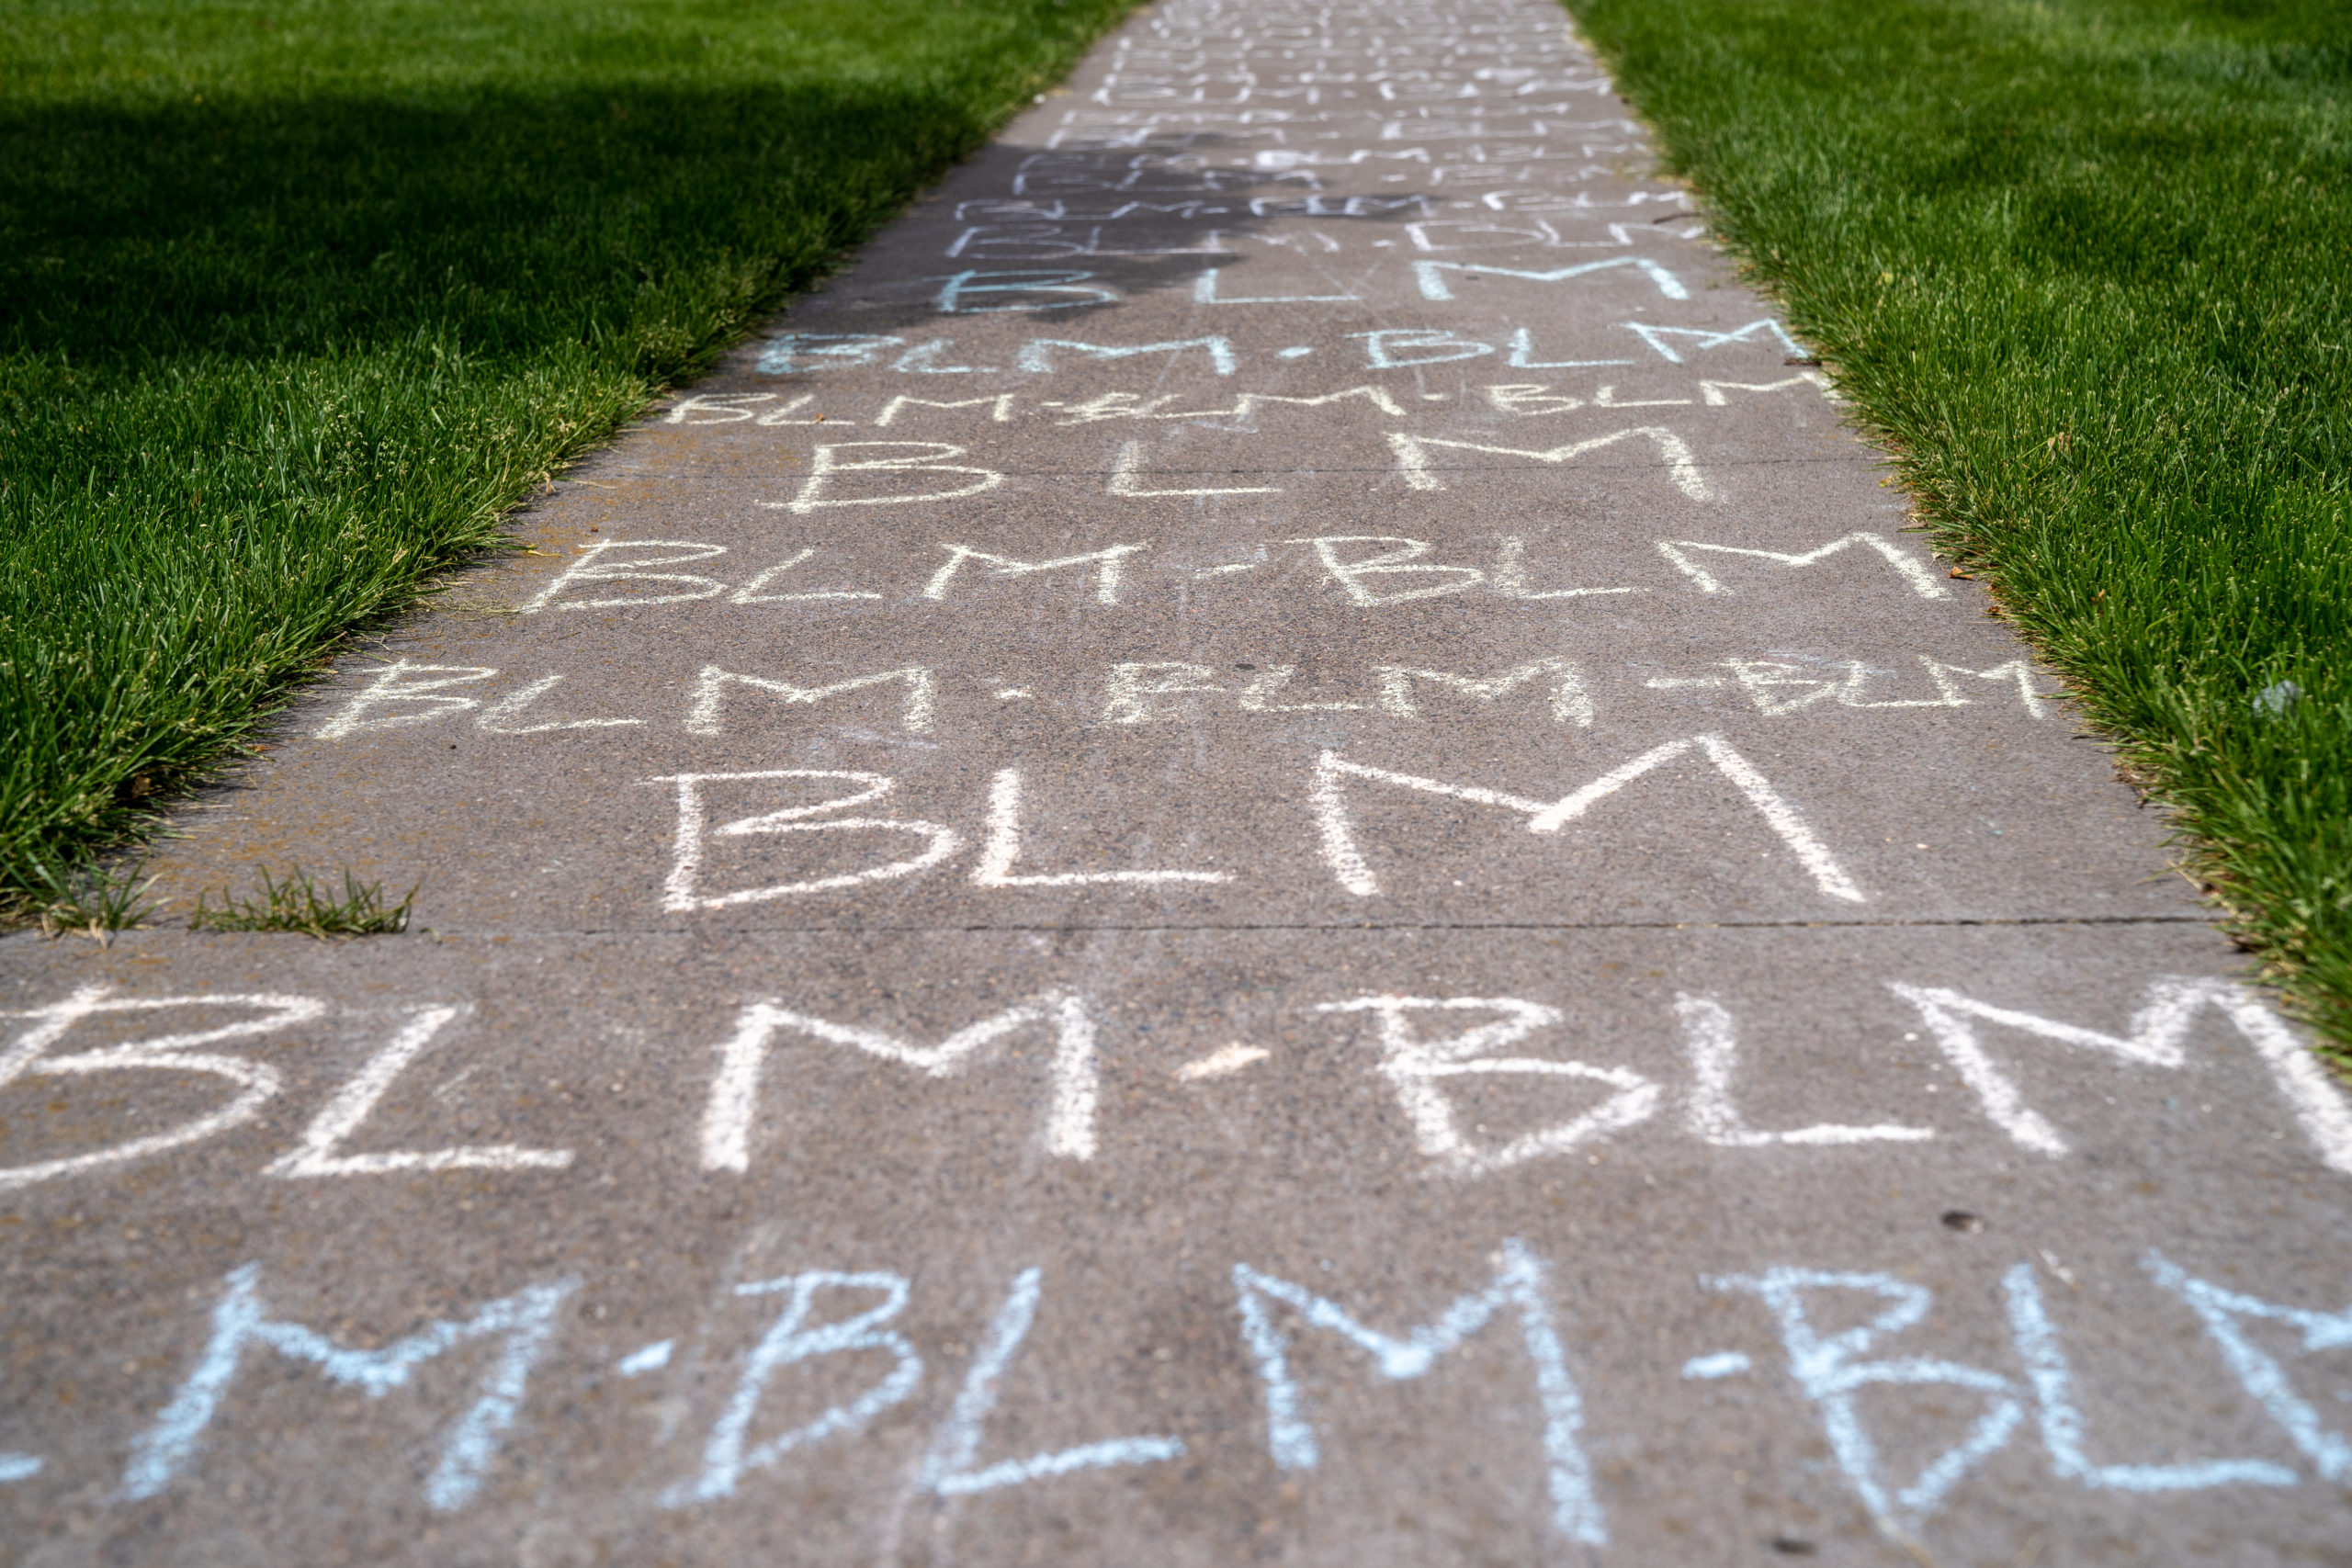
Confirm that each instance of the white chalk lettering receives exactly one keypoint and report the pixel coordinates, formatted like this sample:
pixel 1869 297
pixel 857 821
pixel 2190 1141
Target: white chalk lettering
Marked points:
pixel 500 717
pixel 1347 864
pixel 1707 337
pixel 1922 581
pixel 962 286
pixel 1529 398
pixel 401 682
pixel 1383 349
pixel 923 360
pixel 788 352
pixel 1570 704
pixel 1108 564
pixel 1000 407
pixel 1523 357
pixel 1713 1116
pixel 750 594
pixel 318 1153
pixel 1037 354
pixel 1130 688
pixel 1001 851
pixel 592 568
pixel 1430 275
pixel 2222 1310
pixel 1713 392
pixel 2061 1419
pixel 1258 695
pixel 1417 1070
pixel 679 890
pixel 1402 561
pixel 827 463
pixel 256 1082
pixel 2155 1038
pixel 1413 462
pixel 703 713
pixel 742 1059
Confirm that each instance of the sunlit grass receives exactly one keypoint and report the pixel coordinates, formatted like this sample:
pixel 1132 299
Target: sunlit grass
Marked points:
pixel 297 299
pixel 2087 265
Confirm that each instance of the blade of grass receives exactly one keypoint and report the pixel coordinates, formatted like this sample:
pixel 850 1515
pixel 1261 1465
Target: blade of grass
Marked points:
pixel 297 300
pixel 2083 264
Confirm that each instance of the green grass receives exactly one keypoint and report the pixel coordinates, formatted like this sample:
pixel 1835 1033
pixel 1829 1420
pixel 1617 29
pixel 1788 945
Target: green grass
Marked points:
pixel 2087 265
pixel 298 298
pixel 293 904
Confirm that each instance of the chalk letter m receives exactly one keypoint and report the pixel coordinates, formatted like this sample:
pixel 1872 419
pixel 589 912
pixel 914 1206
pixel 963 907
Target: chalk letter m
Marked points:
pixel 525 1320
pixel 1429 275
pixel 1518 1283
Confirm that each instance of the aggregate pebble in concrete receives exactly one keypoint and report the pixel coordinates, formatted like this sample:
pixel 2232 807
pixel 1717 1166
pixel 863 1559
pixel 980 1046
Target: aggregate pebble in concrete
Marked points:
pixel 1266 848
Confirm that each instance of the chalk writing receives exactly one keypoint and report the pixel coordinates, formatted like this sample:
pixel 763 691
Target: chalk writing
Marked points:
pixel 1922 582
pixel 2155 1038
pixel 1347 865
pixel 319 1152
pixel 1413 459
pixel 1430 275
pixel 788 1341
pixel 680 890
pixel 705 710
pixel 524 1321
pixel 1831 1371
pixel 948 1468
pixel 816 490
pixel 1519 1283
pixel 32 1053
pixel 592 567
pixel 1001 850
pixel 1070 1120
pixel 1417 1070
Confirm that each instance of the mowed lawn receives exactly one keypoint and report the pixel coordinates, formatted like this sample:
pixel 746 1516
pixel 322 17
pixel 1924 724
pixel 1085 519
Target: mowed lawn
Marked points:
pixel 2087 266
pixel 296 298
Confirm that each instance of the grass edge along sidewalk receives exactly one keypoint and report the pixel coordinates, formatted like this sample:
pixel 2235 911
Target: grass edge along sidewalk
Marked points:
pixel 2082 267
pixel 299 299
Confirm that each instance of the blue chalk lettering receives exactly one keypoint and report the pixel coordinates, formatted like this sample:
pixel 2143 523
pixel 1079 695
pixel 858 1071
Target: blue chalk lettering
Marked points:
pixel 947 1469
pixel 923 360
pixel 1380 348
pixel 652 1359
pixel 2254 1368
pixel 1037 352
pixel 1831 1374
pixel 724 1458
pixel 525 1320
pixel 19 1467
pixel 1519 1281
pixel 954 290
pixel 1708 337
pixel 1429 275
pixel 1296 353
pixel 788 352
pixel 2061 1420
pixel 1721 1364
pixel 1523 357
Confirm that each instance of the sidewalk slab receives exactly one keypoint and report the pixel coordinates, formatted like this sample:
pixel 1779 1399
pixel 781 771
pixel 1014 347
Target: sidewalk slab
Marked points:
pixel 1268 846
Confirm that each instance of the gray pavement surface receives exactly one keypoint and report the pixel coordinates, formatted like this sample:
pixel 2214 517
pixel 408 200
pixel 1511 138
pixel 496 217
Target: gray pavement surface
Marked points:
pixel 1267 849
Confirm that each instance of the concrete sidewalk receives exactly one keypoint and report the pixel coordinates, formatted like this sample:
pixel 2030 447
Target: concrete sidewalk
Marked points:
pixel 1266 848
